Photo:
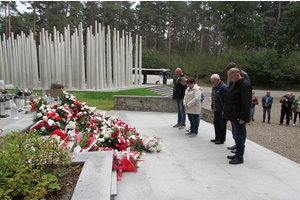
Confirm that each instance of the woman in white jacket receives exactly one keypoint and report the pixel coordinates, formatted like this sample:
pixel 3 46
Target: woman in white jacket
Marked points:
pixel 192 105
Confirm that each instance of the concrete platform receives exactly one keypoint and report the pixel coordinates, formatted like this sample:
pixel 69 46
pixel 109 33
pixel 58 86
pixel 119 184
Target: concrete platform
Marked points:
pixel 195 168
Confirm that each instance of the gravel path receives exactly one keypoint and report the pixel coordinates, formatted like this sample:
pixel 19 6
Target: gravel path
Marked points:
pixel 284 140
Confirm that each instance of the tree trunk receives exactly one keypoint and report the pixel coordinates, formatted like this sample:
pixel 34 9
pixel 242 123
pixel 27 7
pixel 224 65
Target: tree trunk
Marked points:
pixel 9 18
pixel 278 19
pixel 169 53
pixel 47 10
pixel 221 46
pixel 200 54
pixel 34 19
pixel 65 24
pixel 187 38
pixel 6 28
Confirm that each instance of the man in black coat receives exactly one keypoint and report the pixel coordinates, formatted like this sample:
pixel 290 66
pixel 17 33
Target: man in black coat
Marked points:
pixel 238 111
pixel 178 94
pixel 286 103
pixel 230 85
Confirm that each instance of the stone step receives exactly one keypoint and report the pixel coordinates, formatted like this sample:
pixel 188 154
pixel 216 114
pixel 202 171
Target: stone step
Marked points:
pixel 114 190
pixel 162 90
pixel 95 180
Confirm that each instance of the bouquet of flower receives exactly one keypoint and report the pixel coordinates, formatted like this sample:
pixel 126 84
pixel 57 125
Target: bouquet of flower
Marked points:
pixel 151 143
pixel 91 131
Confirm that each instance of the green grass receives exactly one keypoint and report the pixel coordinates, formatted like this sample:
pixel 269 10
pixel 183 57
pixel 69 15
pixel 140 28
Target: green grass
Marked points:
pixel 105 100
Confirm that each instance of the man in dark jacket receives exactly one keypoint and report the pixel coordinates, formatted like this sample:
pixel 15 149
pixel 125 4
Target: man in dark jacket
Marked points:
pixel 219 95
pixel 230 84
pixel 178 94
pixel 238 112
pixel 286 103
pixel 267 102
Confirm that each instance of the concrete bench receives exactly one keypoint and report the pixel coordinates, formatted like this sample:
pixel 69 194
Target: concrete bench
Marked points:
pixel 96 181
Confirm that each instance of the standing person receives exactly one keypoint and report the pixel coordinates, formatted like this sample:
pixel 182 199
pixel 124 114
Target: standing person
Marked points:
pixel 202 95
pixel 230 85
pixel 238 112
pixel 178 94
pixel 218 103
pixel 296 109
pixel 293 99
pixel 267 102
pixel 192 104
pixel 243 73
pixel 254 101
pixel 286 103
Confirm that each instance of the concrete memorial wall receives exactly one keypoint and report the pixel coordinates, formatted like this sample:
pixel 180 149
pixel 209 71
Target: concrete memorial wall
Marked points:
pixel 60 58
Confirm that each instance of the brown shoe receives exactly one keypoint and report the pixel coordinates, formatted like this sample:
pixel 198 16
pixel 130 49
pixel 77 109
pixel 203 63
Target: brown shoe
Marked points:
pixel 233 151
pixel 231 148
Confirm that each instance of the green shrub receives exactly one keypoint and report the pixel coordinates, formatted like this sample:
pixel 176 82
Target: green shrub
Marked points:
pixel 30 165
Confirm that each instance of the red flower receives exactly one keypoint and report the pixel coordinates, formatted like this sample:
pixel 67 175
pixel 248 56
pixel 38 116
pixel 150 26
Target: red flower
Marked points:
pixel 47 126
pixel 39 126
pixel 91 134
pixel 57 118
pixel 54 127
pixel 113 135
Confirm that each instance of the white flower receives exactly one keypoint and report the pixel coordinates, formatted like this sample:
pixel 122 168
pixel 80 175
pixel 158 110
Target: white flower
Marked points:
pixel 84 113
pixel 72 105
pixel 41 108
pixel 57 137
pixel 39 115
pixel 95 131
pixel 106 135
pixel 67 96
pixel 57 123
pixel 72 133
pixel 43 111
pixel 71 125
pixel 45 117
pixel 98 118
pixel 104 127
pixel 43 129
pixel 73 98
pixel 50 122
pixel 48 106
pixel 53 110
pixel 48 109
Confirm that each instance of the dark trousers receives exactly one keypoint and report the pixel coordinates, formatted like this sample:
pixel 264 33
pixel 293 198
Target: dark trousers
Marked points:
pixel 195 121
pixel 285 112
pixel 240 135
pixel 295 117
pixel 268 110
pixel 181 113
pixel 220 127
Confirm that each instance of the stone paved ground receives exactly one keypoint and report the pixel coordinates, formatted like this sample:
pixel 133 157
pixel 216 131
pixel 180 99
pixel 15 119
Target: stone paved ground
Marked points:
pixel 284 140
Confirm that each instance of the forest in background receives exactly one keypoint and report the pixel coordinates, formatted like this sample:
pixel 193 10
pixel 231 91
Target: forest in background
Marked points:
pixel 201 37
